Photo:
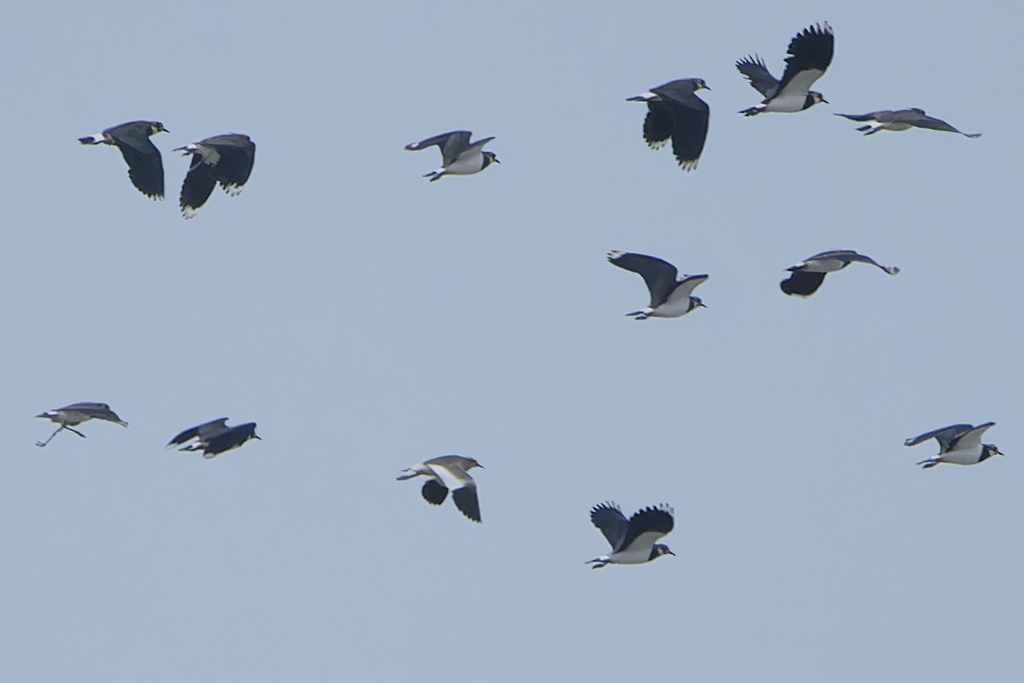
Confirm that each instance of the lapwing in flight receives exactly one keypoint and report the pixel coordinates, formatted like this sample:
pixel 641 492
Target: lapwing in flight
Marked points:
pixel 459 156
pixel 444 473
pixel 670 298
pixel 958 445
pixel 810 53
pixel 225 159
pixel 214 437
pixel 76 414
pixel 145 166
pixel 674 111
pixel 902 119
pixel 807 276
pixel 633 541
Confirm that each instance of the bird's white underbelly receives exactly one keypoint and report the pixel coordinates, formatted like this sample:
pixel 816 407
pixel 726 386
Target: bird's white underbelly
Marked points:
pixel 466 165
pixel 672 309
pixel 632 556
pixel 966 456
pixel 787 103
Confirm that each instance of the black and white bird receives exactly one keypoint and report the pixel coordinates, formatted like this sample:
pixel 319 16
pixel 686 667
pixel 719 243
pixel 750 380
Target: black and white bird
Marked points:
pixel 459 156
pixel 214 437
pixel 674 111
pixel 807 276
pixel 225 159
pixel 145 166
pixel 633 541
pixel 76 414
pixel 670 298
pixel 902 119
pixel 958 445
pixel 444 473
pixel 810 53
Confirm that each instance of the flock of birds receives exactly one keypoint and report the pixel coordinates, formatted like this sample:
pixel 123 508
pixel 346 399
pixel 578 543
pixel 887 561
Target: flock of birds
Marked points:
pixel 674 113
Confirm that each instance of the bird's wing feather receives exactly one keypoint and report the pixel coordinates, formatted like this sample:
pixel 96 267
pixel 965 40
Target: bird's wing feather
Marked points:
pixel 434 492
pixel 932 123
pixel 658 124
pixel 686 287
pixel 810 53
pixel 145 165
pixel 237 155
pixel 879 116
pixel 205 430
pixel 802 283
pixel 655 521
pixel 197 186
pixel 228 439
pixel 971 437
pixel 465 499
pixel 97 411
pixel 689 129
pixel 659 275
pixel 757 72
pixel 450 475
pixel 945 436
pixel 439 140
pixel 612 523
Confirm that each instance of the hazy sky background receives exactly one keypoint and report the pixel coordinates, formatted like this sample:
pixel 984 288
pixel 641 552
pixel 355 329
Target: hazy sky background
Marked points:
pixel 367 319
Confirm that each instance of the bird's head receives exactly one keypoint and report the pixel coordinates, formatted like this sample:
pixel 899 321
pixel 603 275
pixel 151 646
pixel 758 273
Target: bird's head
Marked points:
pixel 471 463
pixel 250 432
pixel 695 302
pixel 662 549
pixel 491 157
pixel 993 450
pixel 699 84
pixel 817 98
pixel 157 127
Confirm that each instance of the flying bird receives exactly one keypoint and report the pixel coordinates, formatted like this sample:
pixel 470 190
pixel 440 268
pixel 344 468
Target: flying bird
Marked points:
pixel 958 445
pixel 145 166
pixel 670 298
pixel 225 159
pixel 632 542
pixel 444 473
pixel 458 155
pixel 810 53
pixel 214 437
pixel 674 110
pixel 807 276
pixel 902 119
pixel 76 414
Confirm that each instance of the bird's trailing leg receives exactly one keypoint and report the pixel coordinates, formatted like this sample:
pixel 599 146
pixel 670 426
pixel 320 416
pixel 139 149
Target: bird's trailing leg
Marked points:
pixel 598 562
pixel 930 462
pixel 41 444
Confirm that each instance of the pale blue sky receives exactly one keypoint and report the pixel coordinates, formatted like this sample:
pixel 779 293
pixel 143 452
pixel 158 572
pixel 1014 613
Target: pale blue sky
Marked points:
pixel 367 319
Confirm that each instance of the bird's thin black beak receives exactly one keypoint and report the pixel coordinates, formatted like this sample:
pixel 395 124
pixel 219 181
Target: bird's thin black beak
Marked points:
pixel 256 437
